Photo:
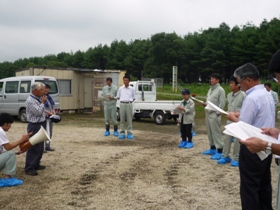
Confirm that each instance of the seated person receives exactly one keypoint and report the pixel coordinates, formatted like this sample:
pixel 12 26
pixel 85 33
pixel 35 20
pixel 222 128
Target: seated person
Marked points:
pixel 7 155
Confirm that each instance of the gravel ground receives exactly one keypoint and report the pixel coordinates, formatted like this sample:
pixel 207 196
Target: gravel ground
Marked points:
pixel 90 171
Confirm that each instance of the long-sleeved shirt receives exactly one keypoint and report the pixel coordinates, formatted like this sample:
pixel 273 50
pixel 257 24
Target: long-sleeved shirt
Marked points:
pixel 189 112
pixel 235 101
pixel 35 109
pixel 112 91
pixel 216 94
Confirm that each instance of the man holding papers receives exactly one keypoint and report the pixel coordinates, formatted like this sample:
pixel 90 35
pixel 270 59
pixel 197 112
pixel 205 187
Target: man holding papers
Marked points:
pixel 235 99
pixel 216 95
pixel 258 109
pixel 256 145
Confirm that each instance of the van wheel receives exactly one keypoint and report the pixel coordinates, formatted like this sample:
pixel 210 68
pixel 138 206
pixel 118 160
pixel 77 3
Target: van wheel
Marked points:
pixel 159 118
pixel 22 115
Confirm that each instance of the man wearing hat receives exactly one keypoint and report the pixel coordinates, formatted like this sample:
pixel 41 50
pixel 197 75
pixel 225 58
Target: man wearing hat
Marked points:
pixel 186 118
pixel 216 95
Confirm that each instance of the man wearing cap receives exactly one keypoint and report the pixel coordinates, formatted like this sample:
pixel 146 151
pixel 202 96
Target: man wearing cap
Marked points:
pixel 110 108
pixel 126 95
pixel 216 95
pixel 235 99
pixel 255 145
pixel 186 118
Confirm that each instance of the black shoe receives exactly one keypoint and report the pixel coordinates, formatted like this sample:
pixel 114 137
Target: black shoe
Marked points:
pixel 45 151
pixel 40 167
pixel 50 149
pixel 31 173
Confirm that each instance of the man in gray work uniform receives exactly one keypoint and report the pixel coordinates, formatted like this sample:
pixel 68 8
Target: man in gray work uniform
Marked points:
pixel 126 95
pixel 109 92
pixel 216 95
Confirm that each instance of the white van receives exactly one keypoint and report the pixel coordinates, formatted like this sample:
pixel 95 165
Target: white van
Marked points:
pixel 15 90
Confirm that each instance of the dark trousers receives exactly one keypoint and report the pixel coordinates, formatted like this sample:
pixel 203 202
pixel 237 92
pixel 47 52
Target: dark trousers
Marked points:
pixel 255 181
pixel 34 154
pixel 186 132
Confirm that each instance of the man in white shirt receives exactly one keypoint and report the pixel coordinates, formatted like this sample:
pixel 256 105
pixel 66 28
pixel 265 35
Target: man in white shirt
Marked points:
pixel 126 95
pixel 7 155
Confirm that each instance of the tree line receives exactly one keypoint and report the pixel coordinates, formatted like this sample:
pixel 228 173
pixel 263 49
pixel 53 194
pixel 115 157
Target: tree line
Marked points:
pixel 197 54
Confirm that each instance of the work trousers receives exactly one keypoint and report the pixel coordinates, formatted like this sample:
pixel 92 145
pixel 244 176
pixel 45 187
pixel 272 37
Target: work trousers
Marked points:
pixel 110 112
pixel 213 126
pixel 255 181
pixel 8 163
pixel 34 153
pixel 278 189
pixel 186 130
pixel 227 145
pixel 126 113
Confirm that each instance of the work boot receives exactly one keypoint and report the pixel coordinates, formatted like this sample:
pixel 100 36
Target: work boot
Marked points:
pixel 107 132
pixel 116 133
pixel 182 144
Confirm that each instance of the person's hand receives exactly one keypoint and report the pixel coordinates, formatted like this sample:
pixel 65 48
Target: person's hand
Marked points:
pixel 204 104
pixel 44 99
pixel 25 137
pixel 111 98
pixel 20 152
pixel 273 132
pixel 233 116
pixel 254 144
pixel 181 108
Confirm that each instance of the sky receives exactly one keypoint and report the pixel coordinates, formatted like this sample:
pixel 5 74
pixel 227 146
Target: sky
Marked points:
pixel 35 28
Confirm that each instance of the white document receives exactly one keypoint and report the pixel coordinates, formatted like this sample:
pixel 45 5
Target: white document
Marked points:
pixel 106 97
pixel 197 100
pixel 178 111
pixel 213 107
pixel 243 131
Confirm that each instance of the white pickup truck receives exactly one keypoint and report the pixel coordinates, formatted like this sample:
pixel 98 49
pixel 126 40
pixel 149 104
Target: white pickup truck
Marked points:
pixel 147 106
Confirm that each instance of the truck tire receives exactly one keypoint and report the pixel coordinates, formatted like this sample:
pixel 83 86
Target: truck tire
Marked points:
pixel 159 118
pixel 22 116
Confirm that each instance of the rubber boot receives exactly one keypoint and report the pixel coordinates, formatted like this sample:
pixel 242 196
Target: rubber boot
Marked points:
pixel 107 132
pixel 116 133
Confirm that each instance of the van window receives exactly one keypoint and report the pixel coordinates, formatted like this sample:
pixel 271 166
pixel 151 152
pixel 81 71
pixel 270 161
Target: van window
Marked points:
pixel 52 83
pixel 25 87
pixel 11 87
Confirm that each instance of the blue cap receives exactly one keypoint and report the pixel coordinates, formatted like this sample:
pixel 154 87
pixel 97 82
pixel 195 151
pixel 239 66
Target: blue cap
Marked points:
pixel 186 92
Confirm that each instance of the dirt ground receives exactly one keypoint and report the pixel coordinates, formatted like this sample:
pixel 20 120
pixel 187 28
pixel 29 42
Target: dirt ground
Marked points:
pixel 90 171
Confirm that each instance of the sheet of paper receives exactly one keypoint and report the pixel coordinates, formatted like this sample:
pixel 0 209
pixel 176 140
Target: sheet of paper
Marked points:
pixel 177 111
pixel 106 97
pixel 243 131
pixel 197 100
pixel 213 107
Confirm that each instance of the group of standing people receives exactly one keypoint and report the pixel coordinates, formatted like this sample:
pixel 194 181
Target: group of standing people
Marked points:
pixel 126 95
pixel 39 109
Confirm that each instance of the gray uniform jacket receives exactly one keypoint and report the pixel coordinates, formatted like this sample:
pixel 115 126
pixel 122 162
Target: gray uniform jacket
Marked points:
pixel 188 115
pixel 216 94
pixel 235 101
pixel 112 90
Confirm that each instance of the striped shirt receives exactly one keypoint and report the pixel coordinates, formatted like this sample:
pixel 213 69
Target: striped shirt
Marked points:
pixel 35 109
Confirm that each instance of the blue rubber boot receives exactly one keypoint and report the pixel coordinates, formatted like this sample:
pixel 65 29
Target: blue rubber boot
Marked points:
pixel 234 163
pixel 194 133
pixel 224 160
pixel 10 182
pixel 217 156
pixel 189 145
pixel 107 133
pixel 130 136
pixel 116 133
pixel 209 152
pixel 122 136
pixel 182 144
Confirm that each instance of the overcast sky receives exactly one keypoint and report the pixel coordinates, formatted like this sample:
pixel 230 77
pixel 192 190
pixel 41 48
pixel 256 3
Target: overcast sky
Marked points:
pixel 40 27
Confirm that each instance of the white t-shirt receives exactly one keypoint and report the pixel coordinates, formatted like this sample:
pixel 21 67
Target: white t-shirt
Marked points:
pixel 3 140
